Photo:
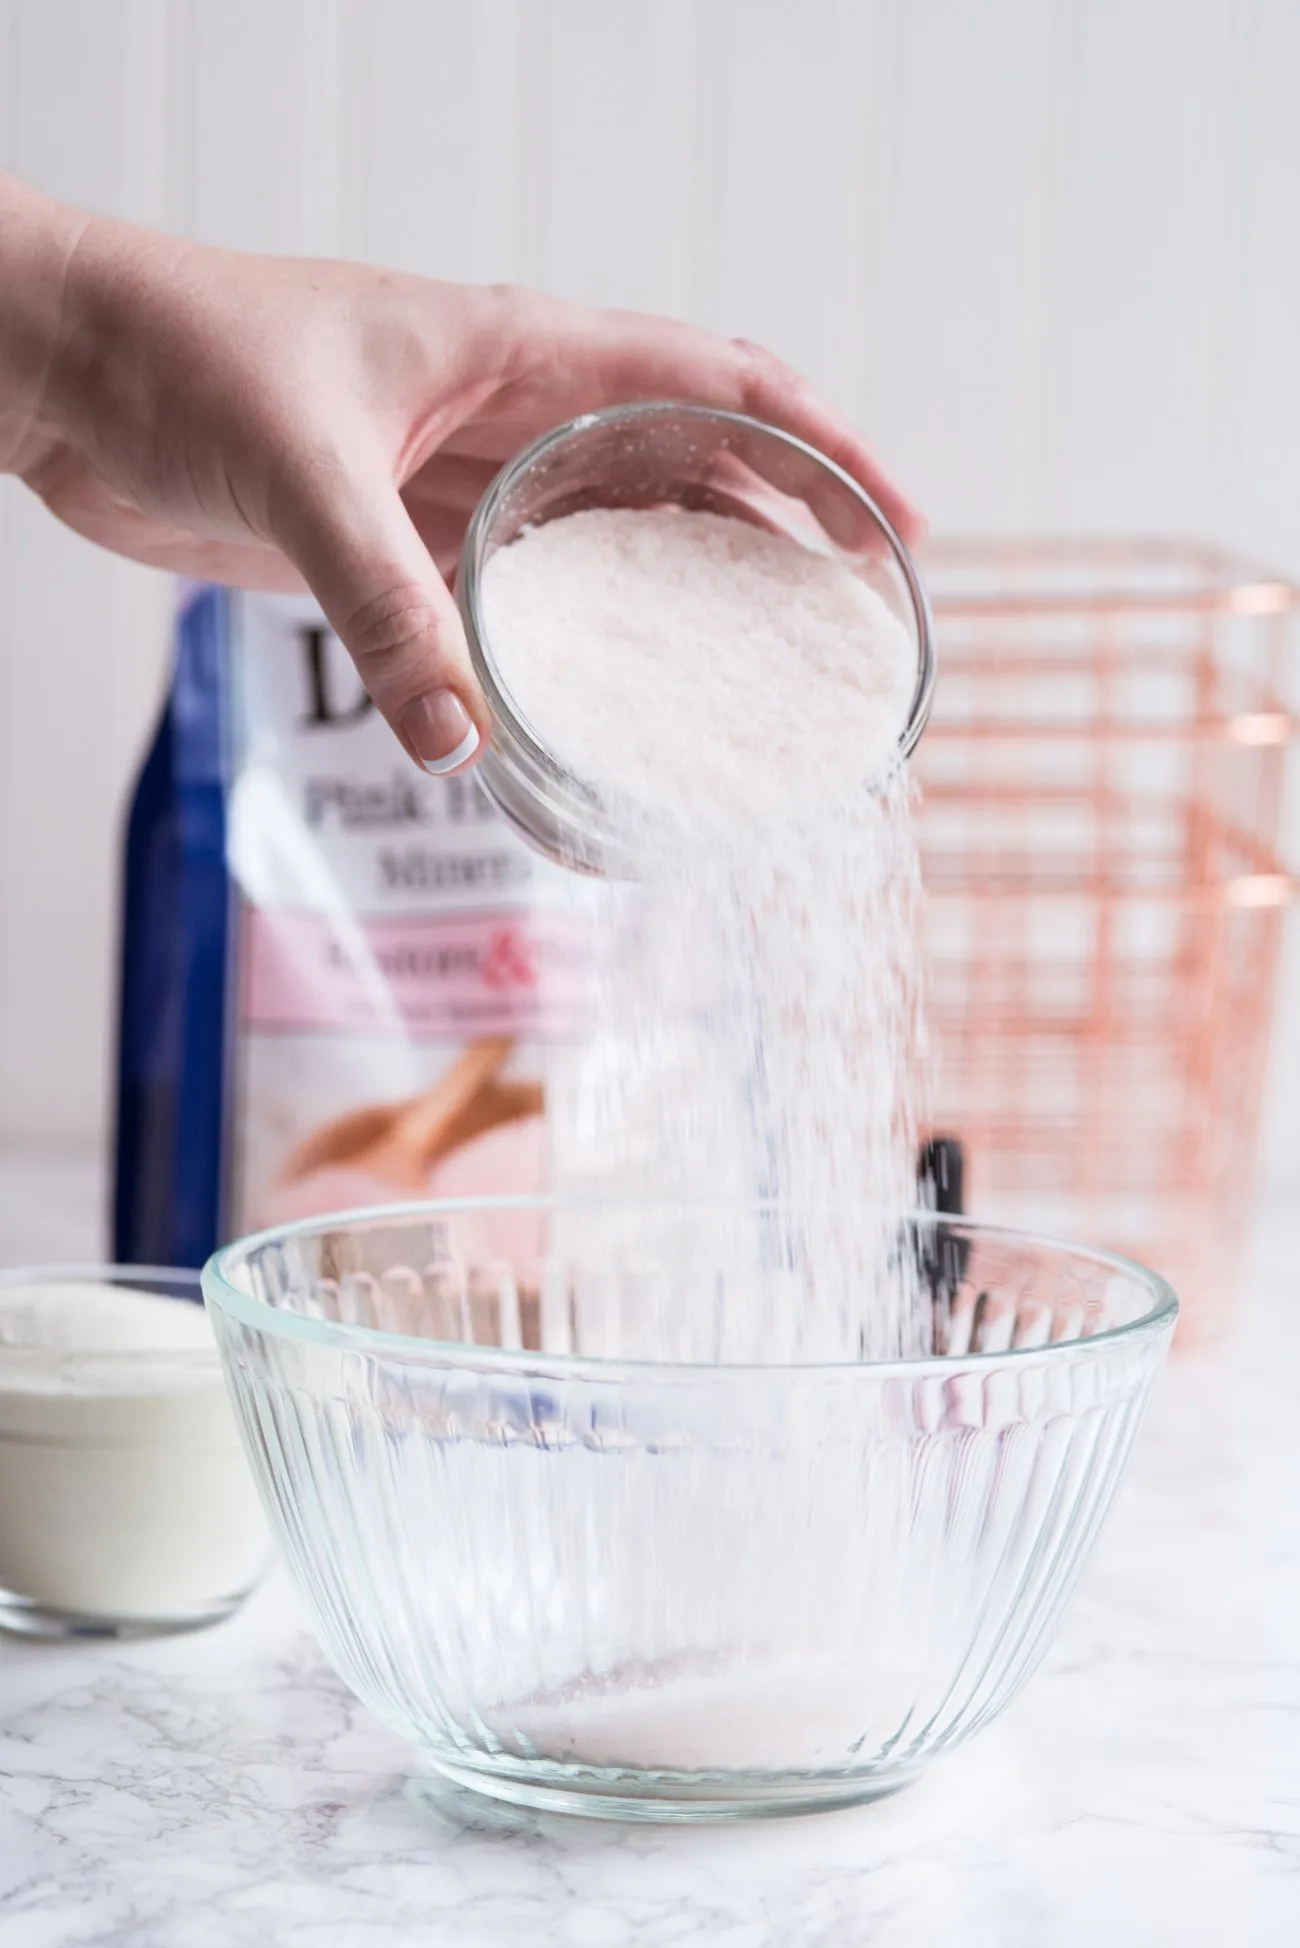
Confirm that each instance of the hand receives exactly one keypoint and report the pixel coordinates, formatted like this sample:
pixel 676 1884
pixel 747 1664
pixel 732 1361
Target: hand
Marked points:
pixel 271 422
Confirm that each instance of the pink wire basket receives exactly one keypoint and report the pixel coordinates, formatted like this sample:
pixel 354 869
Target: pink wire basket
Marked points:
pixel 1103 815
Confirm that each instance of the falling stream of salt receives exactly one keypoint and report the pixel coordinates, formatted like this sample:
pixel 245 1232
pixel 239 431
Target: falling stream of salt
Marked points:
pixel 735 703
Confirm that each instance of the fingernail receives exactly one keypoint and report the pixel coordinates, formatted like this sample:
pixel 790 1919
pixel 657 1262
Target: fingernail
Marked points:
pixel 439 730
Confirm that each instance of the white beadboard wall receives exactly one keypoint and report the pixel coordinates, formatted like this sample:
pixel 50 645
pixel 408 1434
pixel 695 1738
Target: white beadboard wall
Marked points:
pixel 1045 251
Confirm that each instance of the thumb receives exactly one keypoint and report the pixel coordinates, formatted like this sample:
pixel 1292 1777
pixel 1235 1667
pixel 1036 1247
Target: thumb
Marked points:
pixel 359 553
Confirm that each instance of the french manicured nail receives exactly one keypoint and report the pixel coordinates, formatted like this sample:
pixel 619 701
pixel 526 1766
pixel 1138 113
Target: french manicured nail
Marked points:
pixel 439 730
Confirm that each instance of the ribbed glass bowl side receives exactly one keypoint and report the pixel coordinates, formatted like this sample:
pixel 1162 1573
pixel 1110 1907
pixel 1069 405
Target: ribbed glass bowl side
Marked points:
pixel 730 1585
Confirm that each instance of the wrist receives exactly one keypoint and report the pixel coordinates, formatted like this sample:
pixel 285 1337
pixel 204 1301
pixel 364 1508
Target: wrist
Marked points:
pixel 38 238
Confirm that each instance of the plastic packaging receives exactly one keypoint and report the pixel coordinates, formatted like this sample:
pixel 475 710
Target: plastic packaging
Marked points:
pixel 339 978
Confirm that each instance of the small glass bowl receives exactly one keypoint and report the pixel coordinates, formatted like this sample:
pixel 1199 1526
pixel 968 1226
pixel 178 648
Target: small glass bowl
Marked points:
pixel 648 455
pixel 643 1589
pixel 126 1505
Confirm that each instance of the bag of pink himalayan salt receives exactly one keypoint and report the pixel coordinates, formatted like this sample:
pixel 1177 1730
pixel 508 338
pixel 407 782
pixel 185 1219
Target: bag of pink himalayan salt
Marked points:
pixel 340 977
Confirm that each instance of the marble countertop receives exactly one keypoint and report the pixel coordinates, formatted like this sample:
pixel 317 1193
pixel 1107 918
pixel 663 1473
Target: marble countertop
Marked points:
pixel 225 1791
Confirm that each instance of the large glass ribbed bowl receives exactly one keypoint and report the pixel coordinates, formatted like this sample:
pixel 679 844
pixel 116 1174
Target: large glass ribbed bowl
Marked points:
pixel 672 1590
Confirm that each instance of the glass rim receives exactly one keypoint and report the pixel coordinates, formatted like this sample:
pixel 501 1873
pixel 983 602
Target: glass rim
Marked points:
pixel 221 1292
pixel 470 569
pixel 108 1273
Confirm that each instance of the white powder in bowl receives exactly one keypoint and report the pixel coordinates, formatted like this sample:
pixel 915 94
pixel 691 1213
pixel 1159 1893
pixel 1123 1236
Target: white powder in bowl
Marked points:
pixel 697 664
pixel 53 1323
pixel 701 1714
pixel 124 1493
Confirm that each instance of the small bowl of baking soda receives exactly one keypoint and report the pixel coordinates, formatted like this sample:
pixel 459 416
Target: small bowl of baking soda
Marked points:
pixel 126 1505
